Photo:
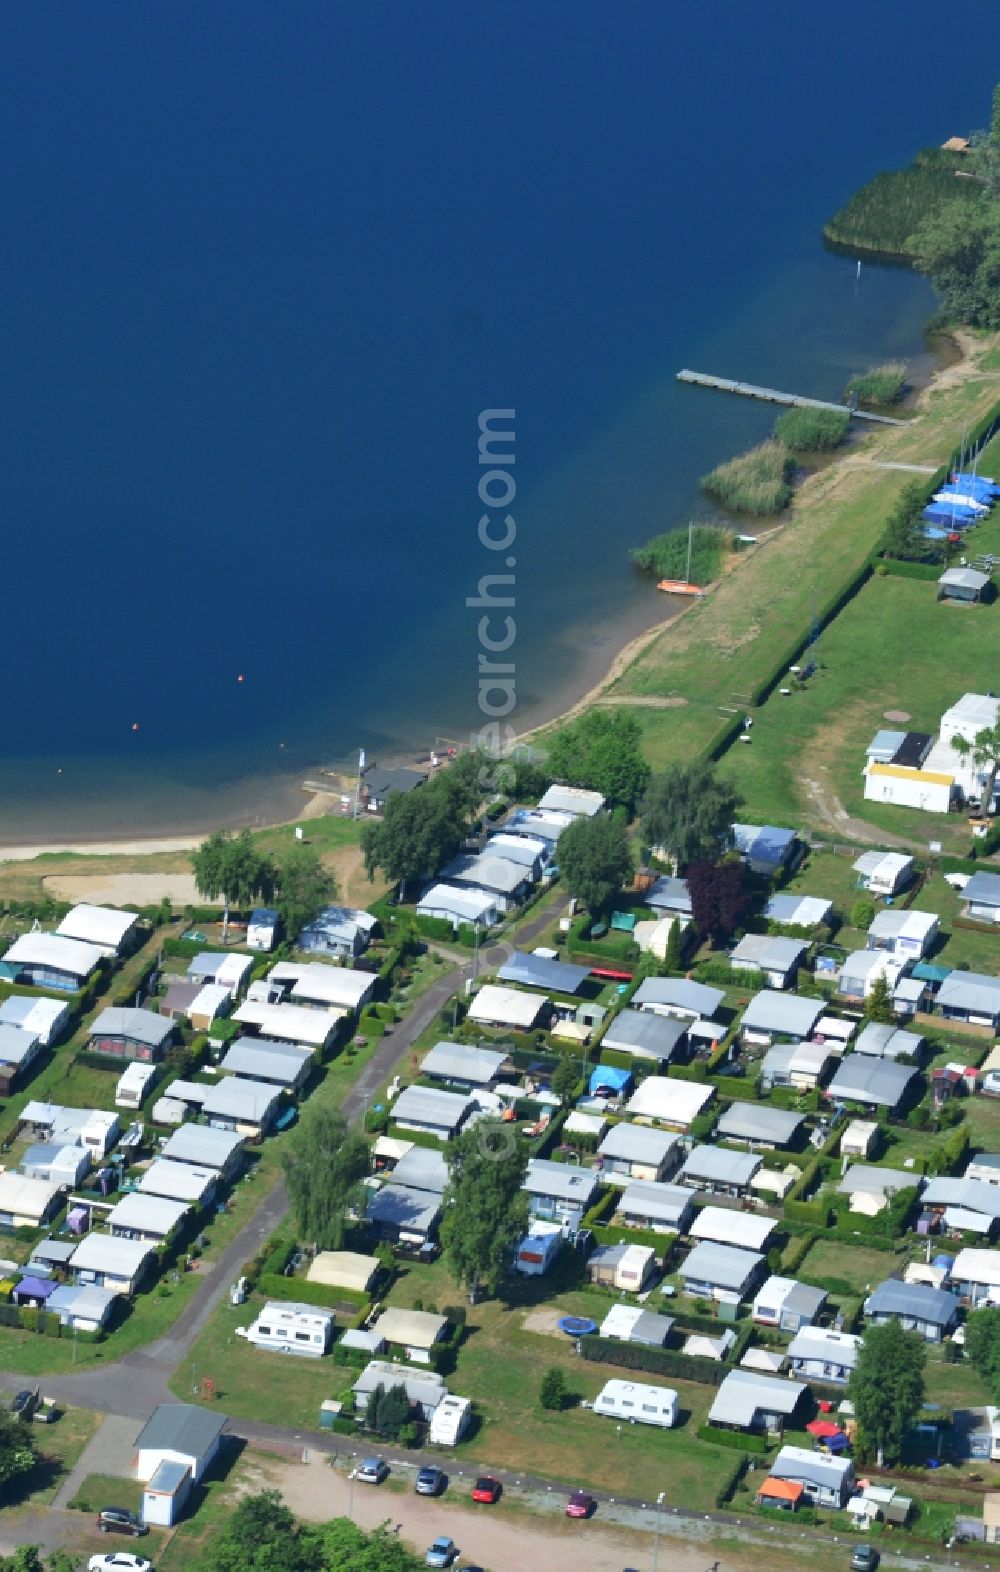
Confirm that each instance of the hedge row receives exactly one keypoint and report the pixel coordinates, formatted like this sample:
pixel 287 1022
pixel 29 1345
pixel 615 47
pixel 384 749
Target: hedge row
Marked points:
pixel 738 1440
pixel 835 604
pixel 298 1288
pixel 658 1361
pixel 732 1479
pixel 897 569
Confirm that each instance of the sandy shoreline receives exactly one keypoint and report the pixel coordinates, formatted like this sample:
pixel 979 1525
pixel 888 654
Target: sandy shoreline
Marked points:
pixel 605 657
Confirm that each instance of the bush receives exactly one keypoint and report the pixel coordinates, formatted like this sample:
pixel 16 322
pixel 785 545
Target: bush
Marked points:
pixel 883 384
pixel 756 482
pixel 812 430
pixel 666 556
pixel 552 1392
pixel 862 913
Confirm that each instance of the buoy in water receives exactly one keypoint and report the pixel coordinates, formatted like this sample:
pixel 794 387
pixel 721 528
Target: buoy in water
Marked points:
pixel 240 677
pixel 135 725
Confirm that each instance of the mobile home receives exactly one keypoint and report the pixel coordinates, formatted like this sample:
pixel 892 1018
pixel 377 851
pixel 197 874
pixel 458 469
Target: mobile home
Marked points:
pixel 450 1421
pixel 288 1328
pixel 638 1403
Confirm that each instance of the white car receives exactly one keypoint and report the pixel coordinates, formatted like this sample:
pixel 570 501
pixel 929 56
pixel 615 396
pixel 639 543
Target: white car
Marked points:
pixel 119 1561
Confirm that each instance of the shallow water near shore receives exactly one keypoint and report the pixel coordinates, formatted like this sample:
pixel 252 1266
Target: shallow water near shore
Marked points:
pixel 265 268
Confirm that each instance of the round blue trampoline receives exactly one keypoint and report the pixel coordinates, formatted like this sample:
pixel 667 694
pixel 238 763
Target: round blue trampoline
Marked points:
pixel 576 1325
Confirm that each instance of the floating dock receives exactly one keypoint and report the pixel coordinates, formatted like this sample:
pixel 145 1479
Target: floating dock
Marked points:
pixel 772 396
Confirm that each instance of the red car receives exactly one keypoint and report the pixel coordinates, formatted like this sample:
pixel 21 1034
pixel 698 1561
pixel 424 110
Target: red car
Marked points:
pixel 580 1504
pixel 487 1489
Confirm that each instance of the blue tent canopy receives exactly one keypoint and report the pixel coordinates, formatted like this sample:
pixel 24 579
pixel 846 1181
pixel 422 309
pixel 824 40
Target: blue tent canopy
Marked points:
pixel 606 1075
pixel 949 513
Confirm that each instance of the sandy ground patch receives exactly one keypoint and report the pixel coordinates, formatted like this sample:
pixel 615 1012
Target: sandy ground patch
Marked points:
pixel 895 715
pixel 127 889
pixel 497 1537
pixel 542 1320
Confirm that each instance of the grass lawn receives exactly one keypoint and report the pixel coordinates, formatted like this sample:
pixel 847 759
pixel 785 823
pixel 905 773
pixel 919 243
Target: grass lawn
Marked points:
pixel 808 750
pixel 979 952
pixel 953 1385
pixel 58 1445
pixel 852 1263
pixel 982 1115
pixel 101 1490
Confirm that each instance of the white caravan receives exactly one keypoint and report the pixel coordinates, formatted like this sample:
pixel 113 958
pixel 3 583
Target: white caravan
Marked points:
pixel 291 1329
pixel 638 1403
pixel 450 1421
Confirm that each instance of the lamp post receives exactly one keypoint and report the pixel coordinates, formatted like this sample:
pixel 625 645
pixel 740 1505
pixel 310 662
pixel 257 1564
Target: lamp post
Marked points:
pixel 656 1535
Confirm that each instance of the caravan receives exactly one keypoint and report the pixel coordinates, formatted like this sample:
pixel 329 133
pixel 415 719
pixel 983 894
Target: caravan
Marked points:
pixel 450 1421
pixel 291 1329
pixel 638 1403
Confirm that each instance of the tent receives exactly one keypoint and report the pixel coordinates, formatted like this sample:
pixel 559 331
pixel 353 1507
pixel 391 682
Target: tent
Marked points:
pixel 607 1078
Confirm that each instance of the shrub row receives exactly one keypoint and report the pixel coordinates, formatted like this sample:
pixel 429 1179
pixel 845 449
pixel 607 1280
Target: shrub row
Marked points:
pixel 658 1361
pixel 898 569
pixel 738 1440
pixel 732 1479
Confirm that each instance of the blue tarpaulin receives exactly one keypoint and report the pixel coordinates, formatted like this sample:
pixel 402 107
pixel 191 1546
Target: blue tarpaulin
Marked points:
pixel 607 1076
pixel 949 513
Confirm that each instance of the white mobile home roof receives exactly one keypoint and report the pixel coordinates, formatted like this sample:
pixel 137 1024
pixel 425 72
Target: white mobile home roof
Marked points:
pixel 788 1013
pixel 971 991
pixel 24 1197
pixel 42 1016
pixel 898 923
pixel 506 1007
pixel 50 949
pixel 140 1026
pixel 523 849
pixel 969 1195
pixel 768 952
pixel 638 1143
pixel 673 1101
pixel 645 1034
pixel 98 925
pixel 744 1230
pixel 797 911
pixel 201 1145
pixel 758 1122
pixel 177 1181
pixel 977 1266
pixel 147 1214
pixel 887 1042
pixel 678 993
pixel 482 871
pixel 571 799
pixel 105 1253
pixel 868 1179
pixel 887 866
pixel 718 1165
pixel 229 970
pixel 412 1328
pixel 720 1265
pixel 660 1203
pixel 234 1098
pixel 743 1394
pixel 290 1023
pixel 459 1062
pixel 210 1000
pixel 16 1043
pixel 261 1060
pixel 821 1342
pixel 862 1079
pixel 334 985
pixel 464 905
pixel 422 1168
pixel 424 1105
pixel 565 1181
pixel 412 1211
pixel 537 971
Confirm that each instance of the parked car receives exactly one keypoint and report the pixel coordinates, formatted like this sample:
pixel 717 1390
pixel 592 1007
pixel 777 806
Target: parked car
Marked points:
pixel 119 1561
pixel 24 1403
pixel 487 1489
pixel 119 1520
pixel 864 1558
pixel 430 1482
pixel 580 1504
pixel 442 1553
pixel 372 1470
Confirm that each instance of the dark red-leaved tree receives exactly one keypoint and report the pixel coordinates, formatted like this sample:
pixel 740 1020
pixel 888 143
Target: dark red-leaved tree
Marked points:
pixel 718 898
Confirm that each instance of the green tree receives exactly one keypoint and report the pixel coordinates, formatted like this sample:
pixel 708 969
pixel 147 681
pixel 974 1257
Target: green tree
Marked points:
pixel 17 1452
pixel 261 1535
pixel 388 1410
pixel 594 860
pixel 601 750
pixel 863 913
pixel 303 887
pixel 347 1548
pixel 673 958
pixel 984 751
pixel 566 1079
pixel 230 867
pixel 982 1345
pixel 418 832
pixel 552 1391
pixel 689 811
pixel 887 1388
pixel 958 246
pixel 485 1209
pixel 878 1003
pixel 904 537
pixel 325 1164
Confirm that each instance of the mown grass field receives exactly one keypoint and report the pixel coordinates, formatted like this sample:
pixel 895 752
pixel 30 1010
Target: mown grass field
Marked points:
pixel 894 647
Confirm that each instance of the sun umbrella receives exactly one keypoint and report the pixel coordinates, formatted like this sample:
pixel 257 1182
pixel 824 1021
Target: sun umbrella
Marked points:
pixel 823 1427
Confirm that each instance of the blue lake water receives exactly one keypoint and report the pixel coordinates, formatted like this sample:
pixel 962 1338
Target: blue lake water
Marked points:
pixel 264 265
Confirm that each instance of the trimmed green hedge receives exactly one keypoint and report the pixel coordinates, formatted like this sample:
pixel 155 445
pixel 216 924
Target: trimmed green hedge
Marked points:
pixel 658 1361
pixel 897 569
pixel 738 1440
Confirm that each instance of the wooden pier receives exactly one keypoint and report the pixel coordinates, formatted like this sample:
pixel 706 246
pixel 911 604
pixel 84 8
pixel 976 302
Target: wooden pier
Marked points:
pixel 771 396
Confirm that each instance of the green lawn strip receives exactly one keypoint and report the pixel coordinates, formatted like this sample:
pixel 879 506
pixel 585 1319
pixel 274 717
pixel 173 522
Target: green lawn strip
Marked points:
pixel 59 1445
pixel 926 655
pixel 982 1116
pixel 102 1490
pixel 852 1263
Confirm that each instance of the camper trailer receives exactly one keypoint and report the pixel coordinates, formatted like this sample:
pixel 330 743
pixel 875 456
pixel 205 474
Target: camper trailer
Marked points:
pixel 539 1248
pixel 638 1403
pixel 291 1329
pixel 451 1420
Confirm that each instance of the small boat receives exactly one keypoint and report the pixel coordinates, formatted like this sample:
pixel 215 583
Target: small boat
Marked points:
pixel 679 587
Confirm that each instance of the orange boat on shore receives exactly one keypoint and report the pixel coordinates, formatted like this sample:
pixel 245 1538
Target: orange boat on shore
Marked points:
pixel 679 587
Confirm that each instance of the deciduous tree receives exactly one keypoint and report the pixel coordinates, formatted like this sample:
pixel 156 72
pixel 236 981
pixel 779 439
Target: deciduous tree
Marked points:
pixel 347 1548
pixel 982 1344
pixel 878 1003
pixel 594 860
pixel 325 1164
pixel 718 897
pixel 984 751
pixel 304 887
pixel 261 1535
pixel 887 1388
pixel 566 1079
pixel 418 831
pixel 17 1452
pixel 601 750
pixel 230 867
pixel 485 1209
pixel 689 811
